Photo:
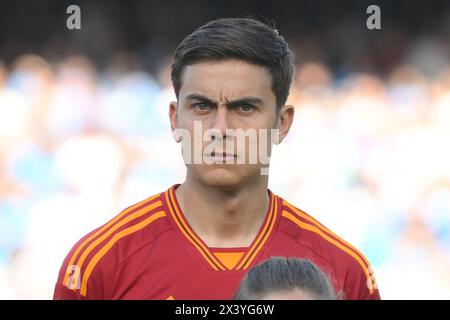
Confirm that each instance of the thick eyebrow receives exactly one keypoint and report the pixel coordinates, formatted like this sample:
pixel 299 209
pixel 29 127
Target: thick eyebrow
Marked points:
pixel 247 100
pixel 199 97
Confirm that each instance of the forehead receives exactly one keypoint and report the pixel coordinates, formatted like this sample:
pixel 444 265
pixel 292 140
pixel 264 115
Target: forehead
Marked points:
pixel 227 79
pixel 295 294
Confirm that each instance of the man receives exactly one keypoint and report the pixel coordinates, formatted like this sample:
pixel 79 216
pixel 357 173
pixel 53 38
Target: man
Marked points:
pixel 198 239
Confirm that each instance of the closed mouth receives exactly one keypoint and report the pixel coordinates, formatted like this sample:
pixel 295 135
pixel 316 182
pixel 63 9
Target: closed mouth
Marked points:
pixel 222 154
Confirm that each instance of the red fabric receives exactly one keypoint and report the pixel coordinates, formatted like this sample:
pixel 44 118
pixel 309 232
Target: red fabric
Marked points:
pixel 149 257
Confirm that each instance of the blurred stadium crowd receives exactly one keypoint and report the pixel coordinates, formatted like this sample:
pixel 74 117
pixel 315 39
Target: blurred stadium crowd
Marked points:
pixel 368 155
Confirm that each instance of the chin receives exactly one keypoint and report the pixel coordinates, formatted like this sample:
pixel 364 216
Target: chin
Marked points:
pixel 226 178
pixel 222 178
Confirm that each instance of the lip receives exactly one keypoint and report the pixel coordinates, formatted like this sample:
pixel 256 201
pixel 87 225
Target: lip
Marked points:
pixel 222 155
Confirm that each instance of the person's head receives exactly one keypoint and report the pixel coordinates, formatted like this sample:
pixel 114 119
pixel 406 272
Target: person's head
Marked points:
pixel 232 73
pixel 281 278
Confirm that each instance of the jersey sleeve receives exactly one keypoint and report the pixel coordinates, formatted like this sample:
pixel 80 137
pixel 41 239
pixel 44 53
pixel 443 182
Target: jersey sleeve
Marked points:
pixel 79 281
pixel 63 293
pixel 360 284
pixel 69 279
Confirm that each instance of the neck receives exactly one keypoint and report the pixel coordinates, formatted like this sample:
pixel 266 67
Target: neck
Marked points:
pixel 224 218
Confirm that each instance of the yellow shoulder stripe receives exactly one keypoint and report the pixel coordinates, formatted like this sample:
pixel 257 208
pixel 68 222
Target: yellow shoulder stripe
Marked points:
pixel 105 227
pixel 90 267
pixel 316 230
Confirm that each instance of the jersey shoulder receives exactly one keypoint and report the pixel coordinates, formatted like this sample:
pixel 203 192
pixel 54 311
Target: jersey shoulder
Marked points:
pixel 347 261
pixel 92 261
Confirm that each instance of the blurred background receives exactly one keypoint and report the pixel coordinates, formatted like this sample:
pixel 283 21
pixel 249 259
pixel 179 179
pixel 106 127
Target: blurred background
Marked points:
pixel 84 128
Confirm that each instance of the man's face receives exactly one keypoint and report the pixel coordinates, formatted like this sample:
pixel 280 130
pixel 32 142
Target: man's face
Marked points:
pixel 220 97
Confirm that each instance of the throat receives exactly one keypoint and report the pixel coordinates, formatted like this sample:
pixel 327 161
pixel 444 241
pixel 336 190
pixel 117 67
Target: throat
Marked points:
pixel 221 222
pixel 227 231
pixel 230 241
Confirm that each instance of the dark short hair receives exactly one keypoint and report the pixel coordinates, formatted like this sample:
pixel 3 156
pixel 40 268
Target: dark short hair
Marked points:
pixel 246 39
pixel 284 274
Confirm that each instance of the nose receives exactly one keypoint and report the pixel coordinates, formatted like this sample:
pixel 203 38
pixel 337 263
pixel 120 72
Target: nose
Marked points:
pixel 221 122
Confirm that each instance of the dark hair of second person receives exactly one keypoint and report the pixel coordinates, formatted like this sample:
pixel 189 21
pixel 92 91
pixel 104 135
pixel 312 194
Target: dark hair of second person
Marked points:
pixel 281 278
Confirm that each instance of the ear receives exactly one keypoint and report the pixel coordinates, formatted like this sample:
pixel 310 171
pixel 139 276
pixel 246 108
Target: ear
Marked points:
pixel 173 116
pixel 285 118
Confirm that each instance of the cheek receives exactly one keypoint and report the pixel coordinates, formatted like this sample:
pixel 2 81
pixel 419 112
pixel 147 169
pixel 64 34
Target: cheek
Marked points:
pixel 266 119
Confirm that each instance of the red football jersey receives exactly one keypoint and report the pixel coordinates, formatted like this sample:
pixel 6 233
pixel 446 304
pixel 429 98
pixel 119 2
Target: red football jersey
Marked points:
pixel 149 251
